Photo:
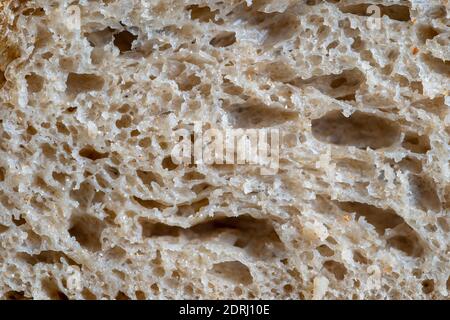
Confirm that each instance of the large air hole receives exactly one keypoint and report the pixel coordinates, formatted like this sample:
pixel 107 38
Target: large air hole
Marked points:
pixel 277 27
pixel 168 164
pixel 280 71
pixel 193 208
pixel 188 82
pixel 152 229
pixel 437 65
pixel 250 115
pixel 84 195
pixel 81 82
pixel 87 231
pixel 423 192
pixel 35 82
pixel 122 296
pixel 381 219
pixel 255 236
pixel 233 271
pixel 113 172
pixel 428 286
pixel 88 295
pixel 3 228
pixel 325 251
pixel 361 130
pixel 436 105
pixel 147 177
pixel 37 12
pixel 48 151
pixel 223 39
pixel 15 295
pixel 52 289
pixel 46 257
pixel 124 41
pixel 2 174
pixel 151 204
pixel 100 38
pixel 230 88
pixel 90 153
pixel 280 28
pixel 407 243
pixel 426 32
pixel 359 257
pixel 202 14
pixel 343 86
pixel 2 79
pixel 394 12
pixel 124 122
pixel 193 175
pixel 436 11
pixel 336 268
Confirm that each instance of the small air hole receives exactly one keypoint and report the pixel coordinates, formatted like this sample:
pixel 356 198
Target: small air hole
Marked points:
pixel 428 286
pixel 124 41
pixel 168 164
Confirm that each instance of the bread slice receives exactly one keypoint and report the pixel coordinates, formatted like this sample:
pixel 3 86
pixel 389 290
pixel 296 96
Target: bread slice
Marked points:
pixel 93 205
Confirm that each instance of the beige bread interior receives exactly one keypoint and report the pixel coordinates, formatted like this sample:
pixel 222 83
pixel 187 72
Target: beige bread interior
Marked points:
pixel 359 208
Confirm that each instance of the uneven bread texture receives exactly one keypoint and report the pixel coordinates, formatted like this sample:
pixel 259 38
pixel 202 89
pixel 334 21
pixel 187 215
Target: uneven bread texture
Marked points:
pixel 358 210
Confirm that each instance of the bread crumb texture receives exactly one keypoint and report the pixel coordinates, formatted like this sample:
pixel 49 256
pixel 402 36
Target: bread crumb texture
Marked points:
pixel 93 207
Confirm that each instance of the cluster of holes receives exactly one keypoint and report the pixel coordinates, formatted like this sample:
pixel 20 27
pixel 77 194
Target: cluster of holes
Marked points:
pixel 404 237
pixel 123 40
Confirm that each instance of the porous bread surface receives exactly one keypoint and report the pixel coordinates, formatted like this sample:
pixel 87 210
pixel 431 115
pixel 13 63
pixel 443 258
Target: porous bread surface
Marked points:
pixel 89 195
